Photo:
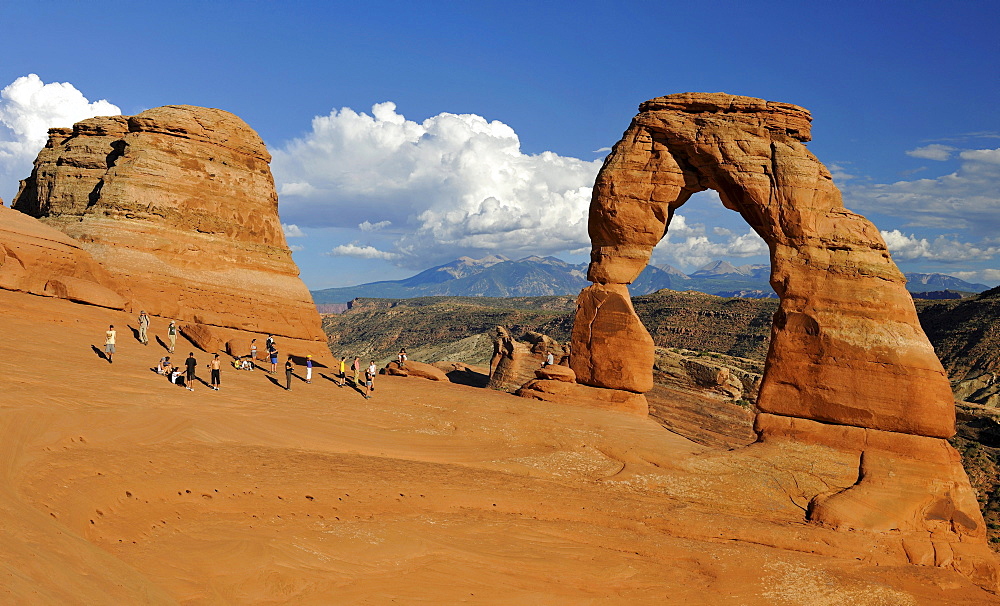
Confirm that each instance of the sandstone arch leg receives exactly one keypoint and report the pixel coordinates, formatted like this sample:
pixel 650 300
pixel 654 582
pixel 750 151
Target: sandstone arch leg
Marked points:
pixel 848 365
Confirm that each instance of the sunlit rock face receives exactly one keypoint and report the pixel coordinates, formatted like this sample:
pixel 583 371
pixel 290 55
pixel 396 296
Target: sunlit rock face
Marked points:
pixel 178 204
pixel 848 367
pixel 40 260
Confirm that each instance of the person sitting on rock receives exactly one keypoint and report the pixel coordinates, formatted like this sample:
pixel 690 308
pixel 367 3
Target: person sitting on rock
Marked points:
pixel 164 366
pixel 401 358
pixel 177 376
pixel 549 360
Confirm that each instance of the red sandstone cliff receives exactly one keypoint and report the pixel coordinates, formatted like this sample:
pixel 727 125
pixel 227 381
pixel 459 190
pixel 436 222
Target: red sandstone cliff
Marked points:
pixel 178 205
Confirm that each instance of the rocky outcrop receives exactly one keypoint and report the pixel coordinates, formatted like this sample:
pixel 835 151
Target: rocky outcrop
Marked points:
pixel 178 204
pixel 556 372
pixel 611 348
pixel 514 361
pixel 415 369
pixel 562 392
pixel 38 259
pixel 966 337
pixel 848 364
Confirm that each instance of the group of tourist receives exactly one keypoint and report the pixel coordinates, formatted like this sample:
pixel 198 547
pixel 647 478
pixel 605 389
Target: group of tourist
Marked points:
pixel 370 371
pixel 185 374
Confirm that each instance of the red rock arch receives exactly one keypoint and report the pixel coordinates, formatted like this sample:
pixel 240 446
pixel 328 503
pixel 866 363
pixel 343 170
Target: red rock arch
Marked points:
pixel 846 344
pixel 849 366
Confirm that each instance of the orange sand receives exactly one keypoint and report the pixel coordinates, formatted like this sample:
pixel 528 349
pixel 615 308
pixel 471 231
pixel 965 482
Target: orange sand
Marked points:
pixel 120 488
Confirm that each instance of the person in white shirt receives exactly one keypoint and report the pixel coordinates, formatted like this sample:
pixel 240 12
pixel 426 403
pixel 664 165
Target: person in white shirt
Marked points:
pixel 370 379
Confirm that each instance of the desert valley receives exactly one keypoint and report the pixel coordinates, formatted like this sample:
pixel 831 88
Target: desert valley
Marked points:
pixel 815 470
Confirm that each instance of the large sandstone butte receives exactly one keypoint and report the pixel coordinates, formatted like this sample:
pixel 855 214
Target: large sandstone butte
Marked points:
pixel 848 365
pixel 178 205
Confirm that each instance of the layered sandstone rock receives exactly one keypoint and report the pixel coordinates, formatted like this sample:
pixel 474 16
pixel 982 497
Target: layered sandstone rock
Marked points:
pixel 38 259
pixel 415 369
pixel 848 365
pixel 556 372
pixel 178 203
pixel 846 323
pixel 560 391
pixel 514 361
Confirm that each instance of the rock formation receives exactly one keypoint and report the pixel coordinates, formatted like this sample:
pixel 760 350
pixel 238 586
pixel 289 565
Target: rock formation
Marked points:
pixel 38 259
pixel 178 205
pixel 848 364
pixel 514 362
pixel 415 369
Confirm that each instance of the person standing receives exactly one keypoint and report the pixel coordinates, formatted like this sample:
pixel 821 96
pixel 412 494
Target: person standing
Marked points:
pixel 216 366
pixel 343 371
pixel 253 354
pixel 309 369
pixel 109 342
pixel 272 351
pixel 191 365
pixel 401 358
pixel 356 367
pixel 172 335
pixel 370 380
pixel 288 373
pixel 143 327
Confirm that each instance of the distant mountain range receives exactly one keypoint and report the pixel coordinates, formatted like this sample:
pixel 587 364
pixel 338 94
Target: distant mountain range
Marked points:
pixel 498 276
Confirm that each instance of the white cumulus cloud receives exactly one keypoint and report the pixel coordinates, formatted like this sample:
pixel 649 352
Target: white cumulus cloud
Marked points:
pixel 28 108
pixel 967 199
pixel 934 151
pixel 688 246
pixel 292 231
pixel 369 226
pixel 455 184
pixel 362 252
pixel 984 276
pixel 941 248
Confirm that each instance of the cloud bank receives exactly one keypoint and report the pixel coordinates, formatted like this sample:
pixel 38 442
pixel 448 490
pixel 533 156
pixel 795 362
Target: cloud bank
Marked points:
pixel 452 185
pixel 934 151
pixel 941 248
pixel 28 108
pixel 967 199
pixel 689 246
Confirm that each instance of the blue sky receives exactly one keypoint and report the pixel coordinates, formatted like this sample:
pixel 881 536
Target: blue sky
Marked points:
pixel 407 134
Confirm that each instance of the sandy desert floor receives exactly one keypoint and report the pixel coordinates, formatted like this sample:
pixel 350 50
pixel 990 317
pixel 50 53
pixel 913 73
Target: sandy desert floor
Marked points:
pixel 119 488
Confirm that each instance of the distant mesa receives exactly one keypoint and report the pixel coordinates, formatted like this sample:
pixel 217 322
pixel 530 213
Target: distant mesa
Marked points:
pixel 177 205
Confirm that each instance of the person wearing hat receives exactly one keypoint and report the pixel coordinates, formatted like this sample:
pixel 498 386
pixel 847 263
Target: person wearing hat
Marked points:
pixel 172 335
pixel 143 327
pixel 309 369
